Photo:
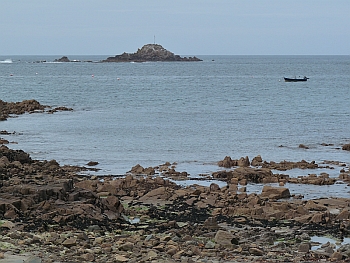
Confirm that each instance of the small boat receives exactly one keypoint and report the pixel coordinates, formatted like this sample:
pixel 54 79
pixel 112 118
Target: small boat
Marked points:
pixel 295 79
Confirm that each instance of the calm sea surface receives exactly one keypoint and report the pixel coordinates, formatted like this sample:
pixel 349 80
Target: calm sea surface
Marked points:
pixel 193 113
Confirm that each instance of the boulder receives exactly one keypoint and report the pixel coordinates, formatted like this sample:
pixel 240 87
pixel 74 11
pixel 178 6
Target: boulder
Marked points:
pixel 313 206
pixel 344 215
pixel 156 195
pixel 70 242
pixel 256 251
pixel 3 141
pixel 87 184
pixel 120 258
pixel 224 238
pixel 14 155
pixel 214 187
pixel 243 162
pixel 274 192
pixel 346 147
pixel 304 247
pixel 227 162
pixel 137 169
pixel 257 161
pixel 211 223
pixel 336 256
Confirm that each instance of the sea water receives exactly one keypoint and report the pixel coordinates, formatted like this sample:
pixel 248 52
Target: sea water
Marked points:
pixel 190 113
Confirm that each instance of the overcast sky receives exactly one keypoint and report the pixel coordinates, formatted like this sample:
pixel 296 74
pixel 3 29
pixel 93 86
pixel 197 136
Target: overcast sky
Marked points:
pixel 185 27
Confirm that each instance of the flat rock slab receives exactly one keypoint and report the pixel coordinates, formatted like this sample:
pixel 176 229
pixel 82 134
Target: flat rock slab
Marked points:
pixel 24 258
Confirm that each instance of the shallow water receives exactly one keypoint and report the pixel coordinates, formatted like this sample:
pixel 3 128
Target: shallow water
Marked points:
pixel 193 114
pixel 323 240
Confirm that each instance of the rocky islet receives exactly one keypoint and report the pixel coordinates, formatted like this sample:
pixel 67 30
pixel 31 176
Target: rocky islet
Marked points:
pixel 147 53
pixel 55 214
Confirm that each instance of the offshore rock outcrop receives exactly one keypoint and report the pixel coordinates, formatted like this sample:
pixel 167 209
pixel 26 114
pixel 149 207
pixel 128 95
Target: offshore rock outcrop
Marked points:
pixel 62 59
pixel 17 108
pixel 26 106
pixel 149 52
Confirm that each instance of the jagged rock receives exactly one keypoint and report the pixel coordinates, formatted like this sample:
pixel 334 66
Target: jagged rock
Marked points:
pixel 149 52
pixel 257 161
pixel 7 108
pixel 62 59
pixel 243 162
pixel 137 169
pixel 14 155
pixel 30 106
pixel 44 192
pixel 227 162
pixel 90 219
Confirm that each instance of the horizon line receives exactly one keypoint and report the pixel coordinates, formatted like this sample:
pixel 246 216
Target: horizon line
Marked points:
pixel 181 55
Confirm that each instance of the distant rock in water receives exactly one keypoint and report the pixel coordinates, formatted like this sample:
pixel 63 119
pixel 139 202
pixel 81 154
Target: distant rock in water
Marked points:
pixel 66 59
pixel 62 59
pixel 149 52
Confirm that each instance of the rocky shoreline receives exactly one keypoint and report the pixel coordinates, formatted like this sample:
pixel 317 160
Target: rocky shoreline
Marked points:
pixel 53 213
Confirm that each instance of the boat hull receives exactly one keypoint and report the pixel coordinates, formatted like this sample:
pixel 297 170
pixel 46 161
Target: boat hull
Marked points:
pixel 295 79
